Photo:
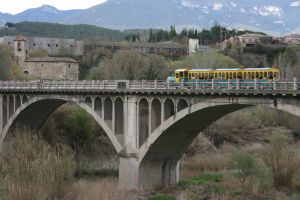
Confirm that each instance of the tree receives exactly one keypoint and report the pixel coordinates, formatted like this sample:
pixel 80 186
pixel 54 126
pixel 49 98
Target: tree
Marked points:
pixel 6 62
pixel 206 60
pixel 80 127
pixel 10 25
pixel 244 163
pixel 131 65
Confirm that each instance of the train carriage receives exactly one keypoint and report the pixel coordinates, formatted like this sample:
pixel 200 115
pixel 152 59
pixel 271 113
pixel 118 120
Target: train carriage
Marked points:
pixel 226 73
pixel 262 76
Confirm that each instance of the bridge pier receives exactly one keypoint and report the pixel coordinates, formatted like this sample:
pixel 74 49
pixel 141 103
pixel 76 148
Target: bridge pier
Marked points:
pixel 154 174
pixel 128 173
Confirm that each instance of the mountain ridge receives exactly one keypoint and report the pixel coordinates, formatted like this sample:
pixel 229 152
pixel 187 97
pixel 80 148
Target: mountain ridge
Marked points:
pixel 277 18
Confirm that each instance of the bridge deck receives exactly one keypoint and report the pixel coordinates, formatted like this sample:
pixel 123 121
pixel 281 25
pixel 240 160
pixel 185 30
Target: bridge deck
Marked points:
pixel 124 86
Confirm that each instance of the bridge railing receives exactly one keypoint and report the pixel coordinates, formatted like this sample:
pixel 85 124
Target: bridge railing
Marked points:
pixel 151 85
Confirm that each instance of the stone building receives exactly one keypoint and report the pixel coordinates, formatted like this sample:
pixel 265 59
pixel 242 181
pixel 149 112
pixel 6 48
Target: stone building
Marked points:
pixel 246 40
pixel 293 39
pixel 49 68
pixel 52 46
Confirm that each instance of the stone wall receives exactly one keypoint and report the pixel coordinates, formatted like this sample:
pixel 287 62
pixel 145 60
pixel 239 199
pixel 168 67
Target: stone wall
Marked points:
pixel 52 46
pixel 52 70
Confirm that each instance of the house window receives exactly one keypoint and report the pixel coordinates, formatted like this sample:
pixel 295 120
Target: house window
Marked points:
pixel 69 66
pixel 48 45
pixel 34 44
pixel 56 45
pixel 26 72
pixel 42 65
pixel 8 43
pixel 19 46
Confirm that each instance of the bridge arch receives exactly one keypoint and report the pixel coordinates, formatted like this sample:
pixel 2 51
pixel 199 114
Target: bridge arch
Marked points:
pixel 11 103
pixel 119 119
pixel 108 111
pixel 24 99
pixel 155 113
pixel 182 104
pixel 160 153
pixel 36 110
pixel 18 101
pixel 143 120
pixel 4 110
pixel 169 108
pixel 98 106
pixel 88 100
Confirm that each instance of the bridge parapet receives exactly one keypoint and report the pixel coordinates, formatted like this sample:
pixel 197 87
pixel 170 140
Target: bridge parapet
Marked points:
pixel 155 85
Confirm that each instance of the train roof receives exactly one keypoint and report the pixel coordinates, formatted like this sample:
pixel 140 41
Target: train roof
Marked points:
pixel 225 69
pixel 228 69
pixel 195 70
pixel 180 70
pixel 264 68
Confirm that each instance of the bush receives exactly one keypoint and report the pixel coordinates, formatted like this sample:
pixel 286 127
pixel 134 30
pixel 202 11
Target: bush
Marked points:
pixel 34 170
pixel 244 163
pixel 80 127
pixel 282 159
pixel 206 178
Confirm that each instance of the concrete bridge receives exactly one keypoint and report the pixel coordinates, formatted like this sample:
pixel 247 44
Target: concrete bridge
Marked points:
pixel 149 123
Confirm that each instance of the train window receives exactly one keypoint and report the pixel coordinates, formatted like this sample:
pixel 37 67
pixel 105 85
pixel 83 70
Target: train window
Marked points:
pixel 181 74
pixel 234 75
pixel 186 74
pixel 252 75
pixel 226 75
pixel 271 75
pixel 197 76
pixel 256 75
pixel 265 74
pixel 189 76
pixel 223 75
pixel 177 75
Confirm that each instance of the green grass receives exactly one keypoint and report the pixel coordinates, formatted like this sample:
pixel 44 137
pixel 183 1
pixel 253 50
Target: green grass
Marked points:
pixel 206 178
pixel 161 197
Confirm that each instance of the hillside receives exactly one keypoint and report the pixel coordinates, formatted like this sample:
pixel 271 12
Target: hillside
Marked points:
pixel 52 30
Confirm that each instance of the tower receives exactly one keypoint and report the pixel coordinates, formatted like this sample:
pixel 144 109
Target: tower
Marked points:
pixel 20 49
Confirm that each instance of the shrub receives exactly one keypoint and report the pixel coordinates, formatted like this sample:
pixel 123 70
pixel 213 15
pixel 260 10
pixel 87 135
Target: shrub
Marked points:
pixel 80 127
pixel 34 170
pixel 206 178
pixel 244 163
pixel 282 159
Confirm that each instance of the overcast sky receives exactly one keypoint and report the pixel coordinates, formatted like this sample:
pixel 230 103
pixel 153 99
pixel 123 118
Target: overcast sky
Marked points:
pixel 17 6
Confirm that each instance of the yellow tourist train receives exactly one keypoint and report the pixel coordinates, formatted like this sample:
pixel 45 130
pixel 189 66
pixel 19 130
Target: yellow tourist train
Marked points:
pixel 259 74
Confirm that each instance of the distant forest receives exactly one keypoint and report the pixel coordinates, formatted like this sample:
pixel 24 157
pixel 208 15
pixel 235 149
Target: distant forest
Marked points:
pixel 89 32
pixel 53 30
pixel 210 36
